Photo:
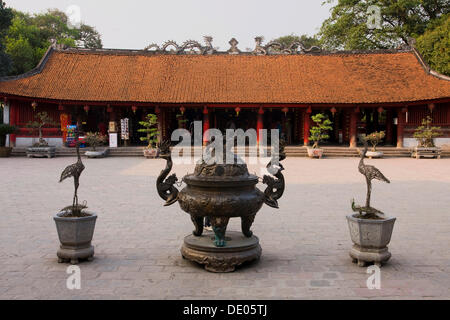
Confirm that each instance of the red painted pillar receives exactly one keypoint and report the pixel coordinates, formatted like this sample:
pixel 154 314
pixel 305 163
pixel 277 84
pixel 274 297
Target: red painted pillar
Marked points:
pixel 401 126
pixel 389 129
pixel 12 121
pixel 354 128
pixel 259 123
pixel 205 125
pixel 306 125
pixel 160 123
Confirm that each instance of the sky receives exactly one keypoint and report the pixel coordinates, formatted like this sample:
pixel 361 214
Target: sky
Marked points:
pixel 134 24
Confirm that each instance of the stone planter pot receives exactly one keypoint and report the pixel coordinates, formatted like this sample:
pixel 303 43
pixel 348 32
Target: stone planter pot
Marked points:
pixel 432 152
pixel 5 152
pixel 315 153
pixel 370 238
pixel 75 235
pixel 41 152
pixel 374 154
pixel 151 153
pixel 97 154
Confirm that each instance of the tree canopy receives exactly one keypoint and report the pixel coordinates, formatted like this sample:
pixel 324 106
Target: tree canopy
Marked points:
pixel 29 36
pixel 6 16
pixel 306 40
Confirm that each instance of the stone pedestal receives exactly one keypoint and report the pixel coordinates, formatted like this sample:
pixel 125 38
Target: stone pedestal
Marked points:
pixel 361 255
pixel 238 249
pixel 41 152
pixel 73 255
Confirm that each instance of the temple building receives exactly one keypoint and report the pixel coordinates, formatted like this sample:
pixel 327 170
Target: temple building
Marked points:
pixel 272 87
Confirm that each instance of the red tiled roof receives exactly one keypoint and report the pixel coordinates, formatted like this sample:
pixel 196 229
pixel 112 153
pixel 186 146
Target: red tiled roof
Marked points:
pixel 139 77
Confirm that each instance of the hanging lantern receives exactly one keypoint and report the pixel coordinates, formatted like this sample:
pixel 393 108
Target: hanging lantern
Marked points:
pixel 380 110
pixel 86 108
pixel 34 105
pixel 333 111
pixel 285 110
pixel 60 107
pixel 431 107
pixel 134 108
pixel 309 110
pixel 182 110
pixel 109 109
pixel 238 110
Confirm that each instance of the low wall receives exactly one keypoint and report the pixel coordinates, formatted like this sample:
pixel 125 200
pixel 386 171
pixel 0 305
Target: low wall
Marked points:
pixel 28 142
pixel 440 142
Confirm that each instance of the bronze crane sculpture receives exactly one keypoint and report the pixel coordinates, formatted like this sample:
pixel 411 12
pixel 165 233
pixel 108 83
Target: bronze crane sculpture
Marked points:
pixel 74 170
pixel 370 173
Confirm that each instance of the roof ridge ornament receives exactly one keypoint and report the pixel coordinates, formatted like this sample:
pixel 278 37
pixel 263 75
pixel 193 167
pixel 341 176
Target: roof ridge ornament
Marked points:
pixel 233 49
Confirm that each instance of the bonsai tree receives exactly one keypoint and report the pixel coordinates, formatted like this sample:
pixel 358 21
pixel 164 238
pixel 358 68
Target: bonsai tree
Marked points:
pixel 5 129
pixel 150 125
pixel 42 119
pixel 375 138
pixel 425 133
pixel 95 139
pixel 320 131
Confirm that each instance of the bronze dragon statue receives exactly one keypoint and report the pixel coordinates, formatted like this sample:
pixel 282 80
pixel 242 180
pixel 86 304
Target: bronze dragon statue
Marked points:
pixel 165 183
pixel 275 186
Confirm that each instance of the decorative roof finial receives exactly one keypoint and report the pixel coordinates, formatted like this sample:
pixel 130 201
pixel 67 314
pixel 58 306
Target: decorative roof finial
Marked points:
pixel 234 49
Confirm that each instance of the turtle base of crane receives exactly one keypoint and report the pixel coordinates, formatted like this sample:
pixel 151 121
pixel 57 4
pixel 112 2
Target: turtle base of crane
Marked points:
pixel 238 250
pixel 41 152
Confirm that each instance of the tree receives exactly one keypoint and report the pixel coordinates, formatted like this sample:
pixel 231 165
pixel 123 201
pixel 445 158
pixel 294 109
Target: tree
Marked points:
pixel 306 40
pixel 29 37
pixel 434 45
pixel 6 16
pixel 347 28
pixel 320 131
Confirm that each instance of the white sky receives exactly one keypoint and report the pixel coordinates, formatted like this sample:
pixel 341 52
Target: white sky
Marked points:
pixel 133 24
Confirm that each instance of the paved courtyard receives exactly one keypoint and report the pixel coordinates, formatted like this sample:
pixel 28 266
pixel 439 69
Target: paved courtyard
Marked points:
pixel 305 243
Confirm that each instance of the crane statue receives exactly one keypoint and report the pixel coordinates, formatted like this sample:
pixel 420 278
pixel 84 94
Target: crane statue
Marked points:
pixel 74 170
pixel 371 173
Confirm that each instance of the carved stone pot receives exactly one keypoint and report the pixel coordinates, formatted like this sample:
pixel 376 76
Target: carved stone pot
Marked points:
pixel 75 235
pixel 370 238
pixel 315 152
pixel 5 152
pixel 41 152
pixel 374 154
pixel 97 153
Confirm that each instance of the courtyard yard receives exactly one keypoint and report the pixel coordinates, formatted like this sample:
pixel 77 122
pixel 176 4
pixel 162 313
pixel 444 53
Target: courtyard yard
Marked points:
pixel 305 243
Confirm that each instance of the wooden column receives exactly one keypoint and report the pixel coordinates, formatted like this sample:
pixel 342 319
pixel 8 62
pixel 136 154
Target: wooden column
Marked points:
pixel 306 125
pixel 160 123
pixel 389 124
pixel 401 126
pixel 353 127
pixel 205 124
pixel 259 123
pixel 13 119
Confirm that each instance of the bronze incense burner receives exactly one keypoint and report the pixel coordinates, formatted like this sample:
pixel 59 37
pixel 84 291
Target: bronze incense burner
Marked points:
pixel 221 191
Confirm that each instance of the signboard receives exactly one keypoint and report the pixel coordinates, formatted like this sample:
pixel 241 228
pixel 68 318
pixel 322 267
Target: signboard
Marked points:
pixel 124 129
pixel 113 140
pixel 112 126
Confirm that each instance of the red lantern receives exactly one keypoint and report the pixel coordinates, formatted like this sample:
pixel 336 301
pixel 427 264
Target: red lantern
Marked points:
pixel 134 108
pixel 86 108
pixel 380 110
pixel 431 107
pixel 333 111
pixel 285 110
pixel 34 105
pixel 238 110
pixel 109 109
pixel 182 109
pixel 309 110
pixel 60 107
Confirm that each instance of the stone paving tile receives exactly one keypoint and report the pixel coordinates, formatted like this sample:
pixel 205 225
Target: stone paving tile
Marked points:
pixel 305 243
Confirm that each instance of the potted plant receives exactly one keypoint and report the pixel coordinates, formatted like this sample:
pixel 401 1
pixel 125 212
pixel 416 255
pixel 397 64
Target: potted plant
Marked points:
pixel 370 229
pixel 75 225
pixel 425 135
pixel 41 148
pixel 319 133
pixel 94 140
pixel 375 138
pixel 150 129
pixel 5 129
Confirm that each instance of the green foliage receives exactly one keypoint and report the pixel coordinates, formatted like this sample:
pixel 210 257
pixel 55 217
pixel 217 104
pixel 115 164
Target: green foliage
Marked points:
pixel 6 16
pixel 375 138
pixel 347 27
pixel 42 119
pixel 425 133
pixel 29 37
pixel 307 41
pixel 95 139
pixel 320 131
pixel 5 129
pixel 150 125
pixel 434 45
